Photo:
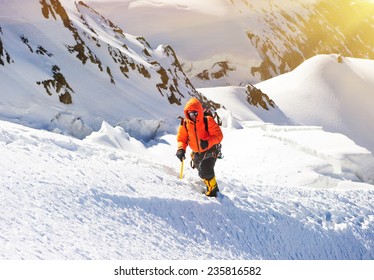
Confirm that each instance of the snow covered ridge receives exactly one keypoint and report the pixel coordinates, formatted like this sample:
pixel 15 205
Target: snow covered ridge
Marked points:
pixel 62 58
pixel 327 91
pixel 64 198
pixel 330 91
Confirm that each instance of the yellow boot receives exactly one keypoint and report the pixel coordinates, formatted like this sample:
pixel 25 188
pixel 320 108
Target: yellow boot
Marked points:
pixel 212 187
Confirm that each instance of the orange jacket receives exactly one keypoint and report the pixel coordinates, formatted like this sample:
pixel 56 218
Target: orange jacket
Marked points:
pixel 190 133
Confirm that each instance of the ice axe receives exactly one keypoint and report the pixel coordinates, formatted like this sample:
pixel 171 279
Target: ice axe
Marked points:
pixel 181 172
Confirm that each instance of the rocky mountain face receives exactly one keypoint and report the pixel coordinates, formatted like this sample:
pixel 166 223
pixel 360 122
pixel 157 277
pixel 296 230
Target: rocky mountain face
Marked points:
pixel 286 34
pixel 168 78
pixel 257 98
pixel 66 58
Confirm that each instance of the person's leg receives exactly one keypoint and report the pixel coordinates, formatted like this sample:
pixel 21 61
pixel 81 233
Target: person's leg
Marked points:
pixel 206 168
pixel 206 172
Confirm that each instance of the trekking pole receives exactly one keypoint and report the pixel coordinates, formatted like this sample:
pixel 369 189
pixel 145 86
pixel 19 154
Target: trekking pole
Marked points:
pixel 181 172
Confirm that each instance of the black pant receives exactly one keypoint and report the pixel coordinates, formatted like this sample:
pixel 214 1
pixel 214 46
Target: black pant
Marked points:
pixel 205 162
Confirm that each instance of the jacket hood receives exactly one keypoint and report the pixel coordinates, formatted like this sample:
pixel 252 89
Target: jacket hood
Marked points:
pixel 194 105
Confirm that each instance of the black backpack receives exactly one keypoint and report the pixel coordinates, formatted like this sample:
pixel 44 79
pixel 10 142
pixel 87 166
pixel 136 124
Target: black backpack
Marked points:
pixel 214 115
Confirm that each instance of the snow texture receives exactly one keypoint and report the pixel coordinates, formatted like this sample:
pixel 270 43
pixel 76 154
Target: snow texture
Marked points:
pixel 283 196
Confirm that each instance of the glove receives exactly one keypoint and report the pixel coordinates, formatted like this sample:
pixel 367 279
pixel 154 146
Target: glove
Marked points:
pixel 203 144
pixel 181 154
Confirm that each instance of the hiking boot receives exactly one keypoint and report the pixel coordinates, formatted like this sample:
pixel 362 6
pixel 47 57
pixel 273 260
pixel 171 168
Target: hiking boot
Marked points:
pixel 212 193
pixel 212 187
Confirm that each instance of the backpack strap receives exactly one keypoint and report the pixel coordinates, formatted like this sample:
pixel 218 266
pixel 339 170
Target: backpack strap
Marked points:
pixel 182 119
pixel 183 122
pixel 219 120
pixel 206 123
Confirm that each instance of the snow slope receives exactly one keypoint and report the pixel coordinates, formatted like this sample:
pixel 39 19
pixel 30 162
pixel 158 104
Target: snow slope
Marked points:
pixel 337 96
pixel 237 108
pixel 283 197
pixel 63 65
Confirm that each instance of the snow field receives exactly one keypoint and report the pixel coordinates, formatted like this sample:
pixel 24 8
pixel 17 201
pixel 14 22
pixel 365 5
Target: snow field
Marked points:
pixel 64 198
